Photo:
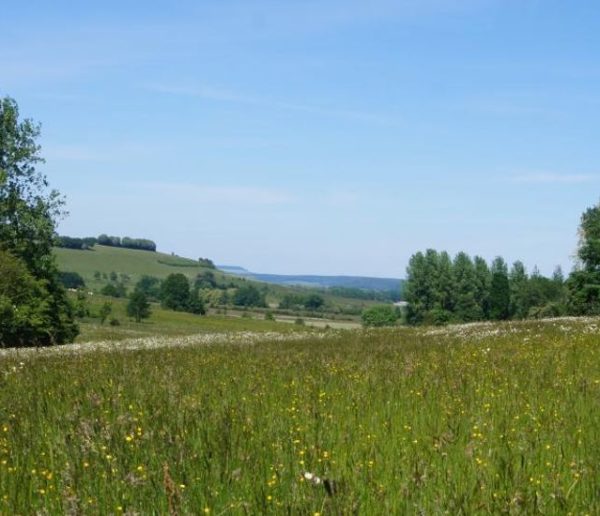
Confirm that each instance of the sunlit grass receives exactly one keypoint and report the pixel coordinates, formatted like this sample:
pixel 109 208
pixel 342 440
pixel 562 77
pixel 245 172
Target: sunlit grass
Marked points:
pixel 472 419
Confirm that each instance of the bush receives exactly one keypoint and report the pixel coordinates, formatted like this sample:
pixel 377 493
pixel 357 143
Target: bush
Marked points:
pixel 379 315
pixel 71 279
pixel 26 307
pixel 112 290
pixel 248 295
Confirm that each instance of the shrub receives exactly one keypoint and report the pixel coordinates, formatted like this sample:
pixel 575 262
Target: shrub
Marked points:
pixel 380 315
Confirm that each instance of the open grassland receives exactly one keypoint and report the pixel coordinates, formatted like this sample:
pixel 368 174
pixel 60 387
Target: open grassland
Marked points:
pixel 133 262
pixel 462 420
pixel 167 323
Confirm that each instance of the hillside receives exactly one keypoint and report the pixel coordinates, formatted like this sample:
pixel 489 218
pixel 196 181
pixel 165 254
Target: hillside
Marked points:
pixel 134 263
pixel 309 280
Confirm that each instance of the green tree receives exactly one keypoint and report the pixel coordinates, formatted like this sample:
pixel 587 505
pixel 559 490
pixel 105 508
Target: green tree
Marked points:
pixel 138 306
pixel 379 315
pixel 483 280
pixel 24 304
pixel 150 286
pixel 446 285
pixel 416 289
pixel 195 303
pixel 584 283
pixel 499 290
pixel 519 283
pixel 467 308
pixel 175 292
pixel 105 311
pixel 28 212
pixel 313 302
pixel 248 295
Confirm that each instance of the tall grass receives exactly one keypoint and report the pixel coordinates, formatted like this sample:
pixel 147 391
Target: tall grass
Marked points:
pixel 477 419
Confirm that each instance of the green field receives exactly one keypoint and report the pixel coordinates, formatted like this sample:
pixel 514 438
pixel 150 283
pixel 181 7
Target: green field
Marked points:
pixel 132 262
pixel 472 419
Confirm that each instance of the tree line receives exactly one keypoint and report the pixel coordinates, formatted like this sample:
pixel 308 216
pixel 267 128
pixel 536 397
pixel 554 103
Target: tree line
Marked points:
pixel 103 239
pixel 440 289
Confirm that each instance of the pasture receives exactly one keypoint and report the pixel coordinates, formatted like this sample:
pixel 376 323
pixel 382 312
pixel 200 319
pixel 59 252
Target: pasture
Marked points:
pixel 482 418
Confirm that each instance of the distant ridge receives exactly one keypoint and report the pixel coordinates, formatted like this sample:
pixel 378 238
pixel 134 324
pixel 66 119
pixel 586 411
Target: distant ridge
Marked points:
pixel 309 280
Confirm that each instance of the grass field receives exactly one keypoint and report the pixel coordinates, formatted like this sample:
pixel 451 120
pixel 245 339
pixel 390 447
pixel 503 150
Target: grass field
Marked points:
pixel 461 420
pixel 132 262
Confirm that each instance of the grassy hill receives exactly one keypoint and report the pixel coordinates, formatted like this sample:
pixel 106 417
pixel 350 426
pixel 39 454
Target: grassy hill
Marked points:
pixel 136 263
pixel 133 262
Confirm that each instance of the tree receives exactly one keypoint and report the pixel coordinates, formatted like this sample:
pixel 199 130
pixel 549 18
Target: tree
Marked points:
pixel 467 308
pixel 195 303
pixel 27 225
pixel 499 290
pixel 518 279
pixel 584 283
pixel 379 315
pixel 105 311
pixel 483 279
pixel 313 302
pixel 248 295
pixel 150 286
pixel 138 306
pixel 416 289
pixel 175 292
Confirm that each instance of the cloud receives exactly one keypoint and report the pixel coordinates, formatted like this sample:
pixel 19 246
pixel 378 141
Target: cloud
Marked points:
pixel 553 178
pixel 225 95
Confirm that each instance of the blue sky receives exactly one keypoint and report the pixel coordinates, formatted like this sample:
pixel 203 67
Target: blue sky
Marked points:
pixel 331 137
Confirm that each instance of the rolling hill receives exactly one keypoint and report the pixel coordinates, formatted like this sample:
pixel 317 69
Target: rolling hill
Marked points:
pixel 308 280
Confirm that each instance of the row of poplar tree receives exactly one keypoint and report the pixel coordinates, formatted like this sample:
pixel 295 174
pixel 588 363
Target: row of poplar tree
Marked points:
pixel 439 289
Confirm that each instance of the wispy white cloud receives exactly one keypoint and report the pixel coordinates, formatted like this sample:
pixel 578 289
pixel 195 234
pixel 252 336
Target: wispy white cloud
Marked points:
pixel 553 178
pixel 225 95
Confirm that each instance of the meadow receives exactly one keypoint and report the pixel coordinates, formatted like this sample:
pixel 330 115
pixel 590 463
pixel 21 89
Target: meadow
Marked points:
pixel 481 418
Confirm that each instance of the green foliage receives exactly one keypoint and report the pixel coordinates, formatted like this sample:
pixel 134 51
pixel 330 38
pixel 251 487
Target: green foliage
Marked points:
pixel 129 243
pixel 175 292
pixel 380 315
pixel 149 286
pixel 195 303
pixel 27 222
pixel 589 246
pixel 249 295
pixel 584 292
pixel 466 307
pixel 584 284
pixel 105 311
pixel 439 291
pixel 114 290
pixel 138 306
pixel 71 279
pixel 24 304
pixel 205 262
pixel 294 301
pixel 499 290
pixel 205 279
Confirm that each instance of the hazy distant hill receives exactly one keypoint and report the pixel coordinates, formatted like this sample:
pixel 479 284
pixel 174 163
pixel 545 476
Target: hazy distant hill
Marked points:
pixel 361 282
